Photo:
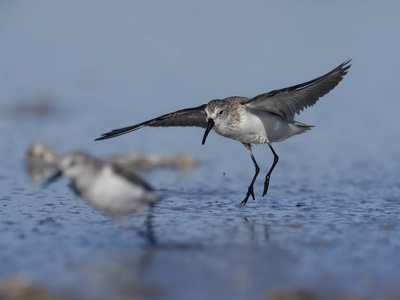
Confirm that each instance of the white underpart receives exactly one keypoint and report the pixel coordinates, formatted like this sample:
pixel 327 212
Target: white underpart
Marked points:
pixel 113 193
pixel 258 127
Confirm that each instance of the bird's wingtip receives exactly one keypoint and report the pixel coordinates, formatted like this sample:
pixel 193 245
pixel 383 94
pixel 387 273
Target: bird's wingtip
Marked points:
pixel 104 136
pixel 346 64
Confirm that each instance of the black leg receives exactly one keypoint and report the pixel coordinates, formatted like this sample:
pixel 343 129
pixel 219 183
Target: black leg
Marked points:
pixel 266 182
pixel 250 191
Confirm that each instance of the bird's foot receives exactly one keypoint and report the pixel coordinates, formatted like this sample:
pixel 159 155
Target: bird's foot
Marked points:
pixel 266 184
pixel 250 192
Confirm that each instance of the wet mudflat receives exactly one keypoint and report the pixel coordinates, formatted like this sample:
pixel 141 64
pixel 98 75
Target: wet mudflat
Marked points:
pixel 330 238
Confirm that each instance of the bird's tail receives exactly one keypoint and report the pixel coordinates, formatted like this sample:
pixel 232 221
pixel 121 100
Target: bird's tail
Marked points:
pixel 301 127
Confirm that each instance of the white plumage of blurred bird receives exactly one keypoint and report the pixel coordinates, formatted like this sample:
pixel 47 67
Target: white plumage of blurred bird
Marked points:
pixel 110 187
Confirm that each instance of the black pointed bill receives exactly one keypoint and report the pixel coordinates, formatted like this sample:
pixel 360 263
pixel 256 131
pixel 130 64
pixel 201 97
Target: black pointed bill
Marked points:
pixel 210 125
pixel 52 178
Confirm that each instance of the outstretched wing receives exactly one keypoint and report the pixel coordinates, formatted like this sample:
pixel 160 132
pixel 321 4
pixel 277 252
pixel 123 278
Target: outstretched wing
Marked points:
pixel 186 117
pixel 289 101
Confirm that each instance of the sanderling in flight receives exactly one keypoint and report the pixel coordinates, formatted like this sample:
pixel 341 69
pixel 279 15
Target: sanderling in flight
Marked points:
pixel 263 119
pixel 108 186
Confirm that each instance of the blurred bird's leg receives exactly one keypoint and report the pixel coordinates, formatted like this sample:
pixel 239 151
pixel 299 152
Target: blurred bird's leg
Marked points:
pixel 149 227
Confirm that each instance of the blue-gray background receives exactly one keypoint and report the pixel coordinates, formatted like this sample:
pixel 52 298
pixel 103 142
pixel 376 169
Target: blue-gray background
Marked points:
pixel 109 64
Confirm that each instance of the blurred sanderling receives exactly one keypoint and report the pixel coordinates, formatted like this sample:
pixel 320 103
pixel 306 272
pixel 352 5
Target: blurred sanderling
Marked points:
pixel 110 187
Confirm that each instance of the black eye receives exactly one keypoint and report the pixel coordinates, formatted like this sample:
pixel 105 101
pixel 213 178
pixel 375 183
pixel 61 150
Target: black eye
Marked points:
pixel 220 112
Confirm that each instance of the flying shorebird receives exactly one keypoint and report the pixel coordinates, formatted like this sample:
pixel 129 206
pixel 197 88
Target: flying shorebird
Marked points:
pixel 263 119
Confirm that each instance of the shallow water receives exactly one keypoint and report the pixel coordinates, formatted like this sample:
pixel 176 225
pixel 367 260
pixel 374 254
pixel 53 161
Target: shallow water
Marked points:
pixel 335 236
pixel 329 223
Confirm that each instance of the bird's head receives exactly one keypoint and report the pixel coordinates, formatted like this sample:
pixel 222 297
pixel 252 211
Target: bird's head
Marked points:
pixel 221 115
